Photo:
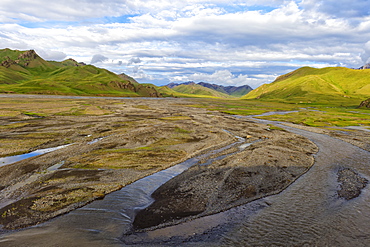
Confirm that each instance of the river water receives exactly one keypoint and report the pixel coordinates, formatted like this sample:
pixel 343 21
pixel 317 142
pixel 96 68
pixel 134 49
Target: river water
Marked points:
pixel 307 213
pixel 103 222
pixel 12 159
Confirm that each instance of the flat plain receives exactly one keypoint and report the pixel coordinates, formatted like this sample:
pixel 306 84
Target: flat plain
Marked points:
pixel 116 141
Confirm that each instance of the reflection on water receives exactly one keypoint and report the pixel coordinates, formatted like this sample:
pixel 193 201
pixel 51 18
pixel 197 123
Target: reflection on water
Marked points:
pixel 272 113
pixel 358 128
pixel 12 159
pixel 55 167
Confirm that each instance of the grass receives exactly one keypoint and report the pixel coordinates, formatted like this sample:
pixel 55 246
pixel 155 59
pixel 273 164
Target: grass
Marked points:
pixel 243 107
pixel 333 116
pixel 175 118
pixel 188 93
pixel 338 86
pixel 142 158
pixel 199 90
pixel 182 131
pixel 313 114
pixel 37 76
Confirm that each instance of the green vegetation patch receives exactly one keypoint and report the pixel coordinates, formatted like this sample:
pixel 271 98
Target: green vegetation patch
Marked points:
pixel 243 107
pixel 330 117
pixel 143 158
pixel 182 131
pixel 330 86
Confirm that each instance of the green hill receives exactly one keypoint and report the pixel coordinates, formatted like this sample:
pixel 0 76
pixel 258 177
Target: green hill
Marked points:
pixel 310 85
pixel 26 72
pixel 192 90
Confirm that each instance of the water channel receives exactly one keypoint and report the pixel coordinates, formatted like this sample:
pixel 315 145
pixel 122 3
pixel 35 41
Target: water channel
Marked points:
pixel 12 159
pixel 103 222
pixel 307 213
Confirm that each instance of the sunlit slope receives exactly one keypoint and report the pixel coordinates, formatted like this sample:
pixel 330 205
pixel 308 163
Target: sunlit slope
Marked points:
pixel 316 85
pixel 195 90
pixel 26 72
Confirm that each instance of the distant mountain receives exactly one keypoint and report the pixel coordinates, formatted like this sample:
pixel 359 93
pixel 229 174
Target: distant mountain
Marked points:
pixel 191 90
pixel 26 72
pixel 366 66
pixel 172 85
pixel 230 90
pixel 311 85
pixel 199 89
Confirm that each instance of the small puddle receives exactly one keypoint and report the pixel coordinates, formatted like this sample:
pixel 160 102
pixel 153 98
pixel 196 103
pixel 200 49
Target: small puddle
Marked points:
pixel 55 167
pixel 363 128
pixel 12 159
pixel 96 139
pixel 271 113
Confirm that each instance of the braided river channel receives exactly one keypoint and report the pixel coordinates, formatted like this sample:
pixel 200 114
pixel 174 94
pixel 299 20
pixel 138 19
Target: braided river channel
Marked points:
pixel 307 213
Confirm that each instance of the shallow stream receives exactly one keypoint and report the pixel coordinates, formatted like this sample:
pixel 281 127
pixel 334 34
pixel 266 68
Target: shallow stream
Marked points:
pixel 307 213
pixel 103 222
pixel 12 159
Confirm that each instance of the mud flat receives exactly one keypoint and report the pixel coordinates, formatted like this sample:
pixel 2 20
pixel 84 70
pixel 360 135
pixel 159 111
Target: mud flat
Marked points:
pixel 114 142
pixel 263 168
pixel 328 206
pixel 254 189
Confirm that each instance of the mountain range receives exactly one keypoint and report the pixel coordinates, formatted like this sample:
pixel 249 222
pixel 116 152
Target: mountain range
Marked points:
pixel 26 72
pixel 208 89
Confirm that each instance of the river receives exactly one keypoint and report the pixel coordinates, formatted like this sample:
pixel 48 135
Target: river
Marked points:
pixel 307 213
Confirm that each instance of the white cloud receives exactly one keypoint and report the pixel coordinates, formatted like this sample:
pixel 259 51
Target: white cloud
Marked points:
pixel 98 59
pixel 51 55
pixel 225 77
pixel 365 55
pixel 220 41
pixel 134 60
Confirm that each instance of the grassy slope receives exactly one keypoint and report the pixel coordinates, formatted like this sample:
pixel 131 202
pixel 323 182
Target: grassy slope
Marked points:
pixel 237 93
pixel 240 93
pixel 198 91
pixel 168 92
pixel 316 116
pixel 12 54
pixel 325 85
pixel 64 78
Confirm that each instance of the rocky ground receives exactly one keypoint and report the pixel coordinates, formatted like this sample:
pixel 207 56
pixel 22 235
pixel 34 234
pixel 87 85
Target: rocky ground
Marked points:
pixel 114 142
pixel 264 168
pixel 351 184
pixel 117 141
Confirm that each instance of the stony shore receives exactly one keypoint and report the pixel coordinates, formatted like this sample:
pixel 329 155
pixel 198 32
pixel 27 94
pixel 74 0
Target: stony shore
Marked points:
pixel 118 141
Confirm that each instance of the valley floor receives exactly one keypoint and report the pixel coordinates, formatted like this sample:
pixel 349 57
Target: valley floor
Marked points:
pixel 114 142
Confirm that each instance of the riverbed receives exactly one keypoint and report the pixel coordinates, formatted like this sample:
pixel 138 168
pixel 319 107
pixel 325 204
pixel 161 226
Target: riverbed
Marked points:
pixel 308 212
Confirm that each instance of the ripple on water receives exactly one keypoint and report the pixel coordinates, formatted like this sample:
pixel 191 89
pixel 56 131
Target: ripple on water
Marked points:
pixel 310 212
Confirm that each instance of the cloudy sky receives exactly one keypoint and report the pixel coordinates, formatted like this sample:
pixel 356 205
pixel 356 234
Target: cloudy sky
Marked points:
pixel 228 42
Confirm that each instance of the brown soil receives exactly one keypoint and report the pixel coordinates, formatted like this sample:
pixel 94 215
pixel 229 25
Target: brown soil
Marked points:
pixel 264 168
pixel 139 138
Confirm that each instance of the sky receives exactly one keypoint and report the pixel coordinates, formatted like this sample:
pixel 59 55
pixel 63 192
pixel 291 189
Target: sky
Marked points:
pixel 226 42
